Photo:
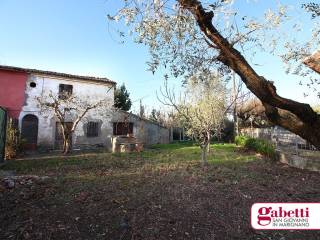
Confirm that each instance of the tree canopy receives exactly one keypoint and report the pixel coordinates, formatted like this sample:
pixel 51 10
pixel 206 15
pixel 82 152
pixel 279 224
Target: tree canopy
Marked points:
pixel 201 109
pixel 192 37
pixel 122 98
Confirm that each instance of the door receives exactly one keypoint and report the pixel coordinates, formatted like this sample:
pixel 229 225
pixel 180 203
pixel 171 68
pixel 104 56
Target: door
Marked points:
pixel 29 131
pixel 58 144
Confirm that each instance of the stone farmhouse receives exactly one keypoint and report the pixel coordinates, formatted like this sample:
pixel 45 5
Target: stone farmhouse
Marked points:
pixel 20 87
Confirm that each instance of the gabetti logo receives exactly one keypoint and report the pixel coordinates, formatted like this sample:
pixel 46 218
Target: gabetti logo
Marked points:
pixel 285 216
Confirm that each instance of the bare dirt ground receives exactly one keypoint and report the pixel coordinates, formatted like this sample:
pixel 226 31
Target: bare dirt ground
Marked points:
pixel 163 193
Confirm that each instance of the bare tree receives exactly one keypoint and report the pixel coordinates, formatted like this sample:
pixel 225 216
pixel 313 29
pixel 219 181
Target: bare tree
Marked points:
pixel 201 109
pixel 68 108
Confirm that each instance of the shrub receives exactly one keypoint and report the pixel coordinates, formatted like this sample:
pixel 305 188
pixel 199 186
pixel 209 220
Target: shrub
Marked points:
pixel 258 145
pixel 241 140
pixel 13 141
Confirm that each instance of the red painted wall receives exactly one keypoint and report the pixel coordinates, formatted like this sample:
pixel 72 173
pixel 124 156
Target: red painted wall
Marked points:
pixel 12 91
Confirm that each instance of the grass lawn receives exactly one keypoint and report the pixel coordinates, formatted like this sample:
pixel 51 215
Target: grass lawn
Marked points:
pixel 162 193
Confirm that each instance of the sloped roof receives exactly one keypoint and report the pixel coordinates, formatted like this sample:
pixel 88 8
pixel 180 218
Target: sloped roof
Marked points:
pixel 58 74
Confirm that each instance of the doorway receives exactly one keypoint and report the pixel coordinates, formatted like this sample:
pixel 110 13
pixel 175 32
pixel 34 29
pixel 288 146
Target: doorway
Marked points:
pixel 29 131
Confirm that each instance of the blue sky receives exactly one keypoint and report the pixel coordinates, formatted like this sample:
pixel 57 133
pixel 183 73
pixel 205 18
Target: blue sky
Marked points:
pixel 72 36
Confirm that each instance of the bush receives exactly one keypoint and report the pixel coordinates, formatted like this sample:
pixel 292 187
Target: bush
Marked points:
pixel 258 145
pixel 241 140
pixel 13 141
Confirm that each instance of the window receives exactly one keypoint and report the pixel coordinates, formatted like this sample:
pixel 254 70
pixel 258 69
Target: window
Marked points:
pixel 92 129
pixel 65 91
pixel 33 84
pixel 122 128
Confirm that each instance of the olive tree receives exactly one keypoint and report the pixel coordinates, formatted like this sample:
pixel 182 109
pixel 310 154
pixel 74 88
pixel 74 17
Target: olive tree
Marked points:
pixel 201 109
pixel 192 37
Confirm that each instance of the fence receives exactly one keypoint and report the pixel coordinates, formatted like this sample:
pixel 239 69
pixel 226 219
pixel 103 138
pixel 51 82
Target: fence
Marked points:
pixel 3 127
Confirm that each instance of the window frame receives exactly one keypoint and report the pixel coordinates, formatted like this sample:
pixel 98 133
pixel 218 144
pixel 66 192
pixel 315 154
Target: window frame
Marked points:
pixel 92 129
pixel 120 128
pixel 65 90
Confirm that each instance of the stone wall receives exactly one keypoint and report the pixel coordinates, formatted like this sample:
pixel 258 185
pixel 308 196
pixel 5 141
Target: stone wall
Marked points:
pixel 288 147
pixel 276 134
pixel 146 131
pixel 300 159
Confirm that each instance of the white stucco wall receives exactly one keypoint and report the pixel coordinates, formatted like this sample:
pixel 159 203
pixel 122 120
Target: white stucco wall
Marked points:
pixel 92 91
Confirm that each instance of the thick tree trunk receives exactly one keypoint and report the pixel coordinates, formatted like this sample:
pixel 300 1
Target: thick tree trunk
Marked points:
pixel 204 153
pixel 67 144
pixel 209 141
pixel 297 117
pixel 204 156
pixel 64 146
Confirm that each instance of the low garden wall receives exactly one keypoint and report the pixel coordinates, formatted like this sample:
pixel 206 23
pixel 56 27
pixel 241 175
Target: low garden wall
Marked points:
pixel 288 147
pixel 303 159
pixel 277 135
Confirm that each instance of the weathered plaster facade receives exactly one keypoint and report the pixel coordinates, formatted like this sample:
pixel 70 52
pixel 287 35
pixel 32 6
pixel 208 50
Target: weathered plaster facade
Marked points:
pixel 40 85
pixel 144 130
pixel 24 86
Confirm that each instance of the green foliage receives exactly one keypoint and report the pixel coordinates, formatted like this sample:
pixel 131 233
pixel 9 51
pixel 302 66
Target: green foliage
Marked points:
pixel 241 140
pixel 313 8
pixel 202 111
pixel 258 145
pixel 174 146
pixel 122 98
pixel 13 141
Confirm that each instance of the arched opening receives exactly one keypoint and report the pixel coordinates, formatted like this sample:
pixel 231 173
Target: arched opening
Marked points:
pixel 29 131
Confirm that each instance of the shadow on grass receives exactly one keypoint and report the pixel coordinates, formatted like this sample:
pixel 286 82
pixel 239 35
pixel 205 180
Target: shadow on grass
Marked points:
pixel 173 146
pixel 169 156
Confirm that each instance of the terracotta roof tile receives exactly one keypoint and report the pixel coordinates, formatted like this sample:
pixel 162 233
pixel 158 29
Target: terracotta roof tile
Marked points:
pixel 28 70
